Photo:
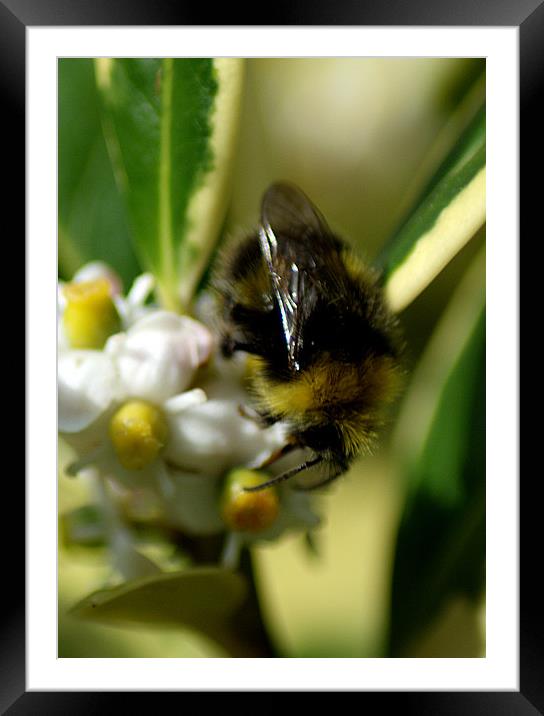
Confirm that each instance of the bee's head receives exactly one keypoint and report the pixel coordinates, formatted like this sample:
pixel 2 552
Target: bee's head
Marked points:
pixel 340 439
pixel 324 439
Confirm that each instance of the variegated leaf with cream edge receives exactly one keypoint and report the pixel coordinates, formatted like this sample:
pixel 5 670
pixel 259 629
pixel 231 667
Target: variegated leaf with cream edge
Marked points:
pixel 440 441
pixel 170 125
pixel 448 214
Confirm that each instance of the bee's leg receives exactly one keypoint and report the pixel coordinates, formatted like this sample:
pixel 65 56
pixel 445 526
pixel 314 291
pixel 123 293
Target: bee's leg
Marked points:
pixel 230 344
pixel 280 452
pixel 246 411
pixel 263 420
pixel 227 347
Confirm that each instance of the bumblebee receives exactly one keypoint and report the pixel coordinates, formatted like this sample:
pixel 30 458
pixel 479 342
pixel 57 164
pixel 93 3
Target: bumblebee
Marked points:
pixel 323 347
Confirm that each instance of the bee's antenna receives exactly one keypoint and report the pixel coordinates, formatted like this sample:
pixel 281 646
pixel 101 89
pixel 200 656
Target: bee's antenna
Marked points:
pixel 285 475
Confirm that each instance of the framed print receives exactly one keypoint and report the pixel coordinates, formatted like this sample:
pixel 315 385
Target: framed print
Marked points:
pixel 284 382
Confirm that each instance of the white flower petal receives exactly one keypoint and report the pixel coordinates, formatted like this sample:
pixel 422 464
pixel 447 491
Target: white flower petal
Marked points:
pixel 86 388
pixel 158 356
pixel 62 340
pixel 140 289
pixel 186 400
pixel 99 269
pixel 114 344
pixel 132 308
pixel 148 369
pixel 181 330
pixel 144 479
pixel 213 437
pixel 191 502
pixel 90 439
pixel 61 298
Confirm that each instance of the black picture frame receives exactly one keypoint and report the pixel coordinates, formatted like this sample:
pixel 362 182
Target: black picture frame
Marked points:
pixel 528 16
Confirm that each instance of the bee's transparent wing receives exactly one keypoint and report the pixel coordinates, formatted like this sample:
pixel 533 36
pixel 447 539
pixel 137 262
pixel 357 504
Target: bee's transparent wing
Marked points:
pixel 296 242
pixel 290 213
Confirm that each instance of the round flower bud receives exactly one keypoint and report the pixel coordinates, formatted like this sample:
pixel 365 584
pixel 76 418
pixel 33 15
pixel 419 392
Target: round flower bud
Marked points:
pixel 248 511
pixel 138 431
pixel 90 316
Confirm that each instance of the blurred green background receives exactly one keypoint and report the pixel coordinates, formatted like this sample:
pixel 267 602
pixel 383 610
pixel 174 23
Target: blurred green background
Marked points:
pixel 361 137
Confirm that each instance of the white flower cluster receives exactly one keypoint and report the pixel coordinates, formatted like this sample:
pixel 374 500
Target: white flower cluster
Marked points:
pixel 155 411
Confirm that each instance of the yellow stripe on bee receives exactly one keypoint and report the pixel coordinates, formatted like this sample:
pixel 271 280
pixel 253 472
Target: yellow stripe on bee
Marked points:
pixel 254 365
pixel 356 268
pixel 356 433
pixel 250 289
pixel 325 384
pixel 288 398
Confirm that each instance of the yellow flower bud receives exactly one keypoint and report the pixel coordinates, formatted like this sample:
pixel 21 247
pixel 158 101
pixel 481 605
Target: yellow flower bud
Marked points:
pixel 90 316
pixel 138 431
pixel 248 511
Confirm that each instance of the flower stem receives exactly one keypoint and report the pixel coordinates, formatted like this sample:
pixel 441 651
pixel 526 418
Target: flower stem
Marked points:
pixel 251 630
pixel 247 635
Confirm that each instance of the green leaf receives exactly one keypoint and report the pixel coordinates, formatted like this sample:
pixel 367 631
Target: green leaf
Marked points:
pixel 92 217
pixel 171 125
pixel 203 598
pixel 469 72
pixel 440 547
pixel 448 213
